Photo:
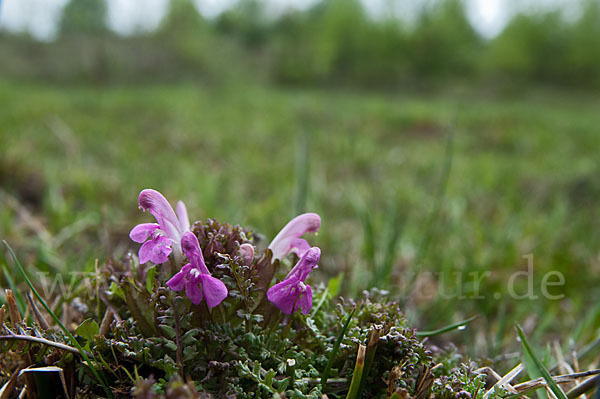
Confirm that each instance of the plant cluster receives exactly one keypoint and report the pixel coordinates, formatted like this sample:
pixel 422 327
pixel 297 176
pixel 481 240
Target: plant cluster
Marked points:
pixel 197 314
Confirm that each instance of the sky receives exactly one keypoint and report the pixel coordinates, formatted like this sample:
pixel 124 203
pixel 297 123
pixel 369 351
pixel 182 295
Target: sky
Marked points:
pixel 39 17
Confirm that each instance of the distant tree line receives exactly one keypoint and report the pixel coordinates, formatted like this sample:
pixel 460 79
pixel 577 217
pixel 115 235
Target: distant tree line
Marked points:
pixel 334 42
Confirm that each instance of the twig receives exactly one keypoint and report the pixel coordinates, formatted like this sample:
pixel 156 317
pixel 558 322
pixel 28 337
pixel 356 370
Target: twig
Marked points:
pixel 39 340
pixel 13 309
pixel 584 387
pixel 39 317
pixel 504 382
pixel 106 302
pixel 105 325
pixel 559 379
pixel 7 389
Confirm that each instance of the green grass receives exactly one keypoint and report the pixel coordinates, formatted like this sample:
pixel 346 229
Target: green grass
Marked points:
pixel 523 179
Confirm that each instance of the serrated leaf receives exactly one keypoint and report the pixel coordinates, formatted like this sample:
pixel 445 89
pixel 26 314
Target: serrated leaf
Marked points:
pixel 167 330
pixel 269 378
pixel 171 346
pixel 189 337
pixel 256 368
pixel 88 329
pixel 189 352
pixel 282 384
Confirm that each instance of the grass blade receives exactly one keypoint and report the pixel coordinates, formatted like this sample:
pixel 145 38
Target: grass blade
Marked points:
pixel 302 173
pixel 370 356
pixel 446 329
pixel 532 361
pixel 369 242
pixel 396 224
pixel 334 350
pixel 74 342
pixel 438 200
pixel 354 391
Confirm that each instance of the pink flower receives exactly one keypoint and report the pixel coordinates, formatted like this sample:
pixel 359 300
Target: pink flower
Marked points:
pixel 195 277
pixel 292 293
pixel 288 240
pixel 247 253
pixel 161 238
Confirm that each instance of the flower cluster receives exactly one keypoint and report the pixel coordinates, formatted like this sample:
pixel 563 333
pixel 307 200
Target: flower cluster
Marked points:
pixel 171 235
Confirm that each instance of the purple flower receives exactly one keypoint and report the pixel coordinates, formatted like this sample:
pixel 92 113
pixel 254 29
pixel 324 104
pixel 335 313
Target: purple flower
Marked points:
pixel 292 293
pixel 288 240
pixel 161 238
pixel 195 277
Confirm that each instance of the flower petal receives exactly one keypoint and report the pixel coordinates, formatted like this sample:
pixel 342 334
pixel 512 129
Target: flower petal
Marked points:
pixel 145 252
pixel 285 294
pixel 214 289
pixel 306 264
pixel 177 282
pixel 297 227
pixel 182 216
pixel 247 253
pixel 193 292
pixel 191 249
pixel 141 232
pixel 157 250
pixel 299 246
pixel 305 302
pixel 160 208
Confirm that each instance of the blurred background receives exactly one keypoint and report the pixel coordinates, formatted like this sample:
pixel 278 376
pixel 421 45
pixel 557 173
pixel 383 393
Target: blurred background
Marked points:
pixel 442 136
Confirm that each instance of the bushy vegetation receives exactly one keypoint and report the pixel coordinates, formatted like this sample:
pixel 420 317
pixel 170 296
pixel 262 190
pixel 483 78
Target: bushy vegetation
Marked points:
pixel 145 339
pixel 334 42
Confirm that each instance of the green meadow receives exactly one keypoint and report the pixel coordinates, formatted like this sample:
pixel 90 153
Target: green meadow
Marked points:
pixel 417 190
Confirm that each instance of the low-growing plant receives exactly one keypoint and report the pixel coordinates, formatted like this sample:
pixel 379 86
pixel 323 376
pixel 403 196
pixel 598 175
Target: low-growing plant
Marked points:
pixel 205 310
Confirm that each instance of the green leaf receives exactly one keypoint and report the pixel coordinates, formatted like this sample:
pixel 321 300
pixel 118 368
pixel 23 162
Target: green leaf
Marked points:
pixel 114 289
pixel 150 279
pixel 268 381
pixel 256 368
pixel 333 288
pixel 334 284
pixel 534 365
pixel 282 385
pixel 189 337
pixel 189 353
pixel 88 329
pixel 446 329
pixel 167 331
